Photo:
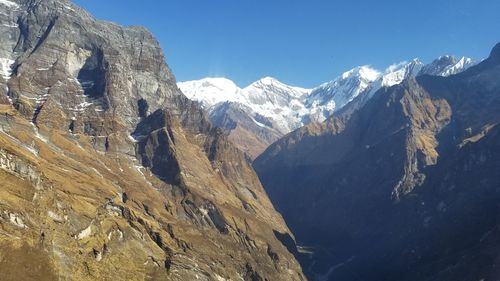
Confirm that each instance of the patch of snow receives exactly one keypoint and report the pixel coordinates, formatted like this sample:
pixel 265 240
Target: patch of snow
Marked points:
pixel 220 278
pixel 41 99
pixel 85 233
pixel 9 4
pixel 16 220
pixel 204 211
pixel 6 67
pixel 10 25
pixel 31 148
pixel 85 104
pixel 132 139
pixel 81 107
pixel 114 210
pixel 55 217
pixel 8 97
pixel 258 123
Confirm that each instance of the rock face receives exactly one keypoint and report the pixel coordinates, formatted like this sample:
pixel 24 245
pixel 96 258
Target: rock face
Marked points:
pixel 243 129
pixel 257 115
pixel 405 188
pixel 109 172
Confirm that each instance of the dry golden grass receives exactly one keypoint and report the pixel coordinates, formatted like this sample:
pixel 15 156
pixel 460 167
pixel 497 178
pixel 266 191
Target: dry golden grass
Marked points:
pixel 79 186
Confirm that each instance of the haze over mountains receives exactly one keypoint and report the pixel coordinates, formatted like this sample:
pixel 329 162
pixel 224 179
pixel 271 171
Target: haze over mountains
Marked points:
pixel 261 113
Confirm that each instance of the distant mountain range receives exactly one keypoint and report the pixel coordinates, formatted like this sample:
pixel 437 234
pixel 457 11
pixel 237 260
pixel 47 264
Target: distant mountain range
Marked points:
pixel 259 114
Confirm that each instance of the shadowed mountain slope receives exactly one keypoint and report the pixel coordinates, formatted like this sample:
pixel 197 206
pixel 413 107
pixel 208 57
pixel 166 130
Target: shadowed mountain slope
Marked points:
pixel 405 188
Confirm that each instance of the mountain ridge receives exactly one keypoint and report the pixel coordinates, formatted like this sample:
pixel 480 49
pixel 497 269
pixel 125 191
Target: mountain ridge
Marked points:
pixel 284 108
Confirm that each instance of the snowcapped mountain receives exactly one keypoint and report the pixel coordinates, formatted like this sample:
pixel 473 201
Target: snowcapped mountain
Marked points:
pixel 324 99
pixel 393 75
pixel 270 89
pixel 254 116
pixel 396 73
pixel 259 114
pixel 211 91
pixel 280 104
pixel 447 65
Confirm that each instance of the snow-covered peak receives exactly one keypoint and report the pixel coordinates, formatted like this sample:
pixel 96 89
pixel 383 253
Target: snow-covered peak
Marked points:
pixel 364 72
pixel 266 81
pixel 217 82
pixel 210 91
pixel 267 97
pixel 271 89
pixel 396 73
pixel 273 86
pixel 344 88
pixel 447 65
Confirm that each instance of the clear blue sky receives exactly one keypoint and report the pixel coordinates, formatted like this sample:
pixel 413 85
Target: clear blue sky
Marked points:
pixel 304 42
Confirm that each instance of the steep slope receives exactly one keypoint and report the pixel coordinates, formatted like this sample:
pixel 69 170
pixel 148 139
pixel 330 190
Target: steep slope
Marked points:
pixel 250 133
pixel 109 172
pixel 405 188
pixel 258 115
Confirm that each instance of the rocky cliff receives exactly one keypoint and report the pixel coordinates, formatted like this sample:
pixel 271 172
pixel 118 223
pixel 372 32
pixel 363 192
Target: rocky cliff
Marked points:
pixel 109 172
pixel 405 188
